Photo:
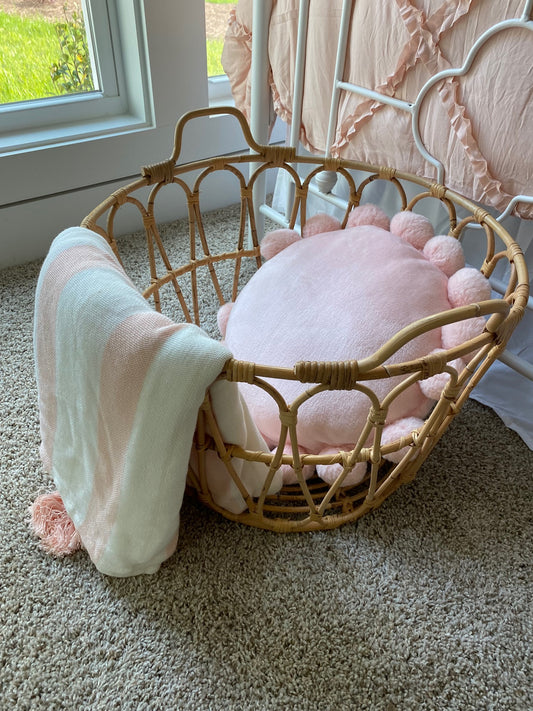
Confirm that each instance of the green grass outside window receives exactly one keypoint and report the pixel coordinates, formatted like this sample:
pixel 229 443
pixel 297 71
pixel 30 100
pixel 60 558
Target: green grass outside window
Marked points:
pixel 29 48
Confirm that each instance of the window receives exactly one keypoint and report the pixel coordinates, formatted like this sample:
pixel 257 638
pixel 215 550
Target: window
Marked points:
pixel 118 65
pixel 45 51
pixel 54 172
pixel 217 13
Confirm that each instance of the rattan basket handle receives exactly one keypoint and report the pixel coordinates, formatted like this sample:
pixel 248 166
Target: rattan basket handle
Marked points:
pixel 164 170
pixel 217 111
pixel 345 374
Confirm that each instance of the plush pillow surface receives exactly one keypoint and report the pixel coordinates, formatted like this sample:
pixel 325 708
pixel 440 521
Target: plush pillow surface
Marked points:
pixel 335 296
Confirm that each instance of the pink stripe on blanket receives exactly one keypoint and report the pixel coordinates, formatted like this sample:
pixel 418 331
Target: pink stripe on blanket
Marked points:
pixel 66 265
pixel 128 355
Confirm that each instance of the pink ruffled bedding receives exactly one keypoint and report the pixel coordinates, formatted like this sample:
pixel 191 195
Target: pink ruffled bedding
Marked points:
pixel 480 126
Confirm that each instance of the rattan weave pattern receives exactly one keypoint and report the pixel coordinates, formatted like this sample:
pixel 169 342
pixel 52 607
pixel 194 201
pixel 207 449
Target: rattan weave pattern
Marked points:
pixel 179 284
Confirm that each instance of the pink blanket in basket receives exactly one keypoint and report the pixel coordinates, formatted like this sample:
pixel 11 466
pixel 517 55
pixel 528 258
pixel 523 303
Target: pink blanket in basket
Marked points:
pixel 119 390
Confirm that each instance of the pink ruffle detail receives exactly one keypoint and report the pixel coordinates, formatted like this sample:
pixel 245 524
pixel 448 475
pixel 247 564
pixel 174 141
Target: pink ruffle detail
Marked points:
pixel 422 47
pixel 492 192
pixel 285 114
pixel 425 33
pixel 237 60
pixel 237 28
pixel 51 523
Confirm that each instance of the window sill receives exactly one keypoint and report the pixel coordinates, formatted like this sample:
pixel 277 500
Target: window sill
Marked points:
pixel 69 133
pixel 219 91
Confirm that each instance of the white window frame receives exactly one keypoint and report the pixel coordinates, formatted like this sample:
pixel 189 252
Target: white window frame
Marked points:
pixel 219 91
pixel 118 53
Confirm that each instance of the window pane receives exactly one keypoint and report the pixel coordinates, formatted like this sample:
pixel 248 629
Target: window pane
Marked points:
pixel 216 20
pixel 45 51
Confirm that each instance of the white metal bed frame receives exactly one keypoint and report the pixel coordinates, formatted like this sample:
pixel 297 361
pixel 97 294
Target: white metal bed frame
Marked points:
pixel 325 182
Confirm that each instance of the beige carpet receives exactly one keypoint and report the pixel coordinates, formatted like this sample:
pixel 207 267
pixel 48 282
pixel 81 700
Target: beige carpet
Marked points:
pixel 424 604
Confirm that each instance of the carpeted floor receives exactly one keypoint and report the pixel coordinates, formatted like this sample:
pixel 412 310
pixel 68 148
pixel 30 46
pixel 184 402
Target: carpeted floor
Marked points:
pixel 424 604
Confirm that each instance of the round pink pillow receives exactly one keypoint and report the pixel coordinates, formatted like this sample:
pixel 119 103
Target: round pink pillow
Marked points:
pixel 335 296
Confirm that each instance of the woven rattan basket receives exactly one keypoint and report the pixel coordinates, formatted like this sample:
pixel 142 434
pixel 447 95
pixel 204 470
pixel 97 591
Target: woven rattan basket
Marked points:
pixel 179 270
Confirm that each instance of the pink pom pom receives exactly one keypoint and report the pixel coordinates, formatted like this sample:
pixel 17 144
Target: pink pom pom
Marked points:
pixel 320 223
pixel 454 334
pixel 331 472
pixel 413 228
pixel 276 241
pixel 368 215
pixel 432 387
pixel 51 523
pixel 223 316
pixel 446 253
pixel 287 472
pixel 397 430
pixel 468 286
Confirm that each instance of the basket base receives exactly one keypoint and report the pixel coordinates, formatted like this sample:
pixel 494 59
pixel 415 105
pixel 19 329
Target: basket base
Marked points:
pixel 289 511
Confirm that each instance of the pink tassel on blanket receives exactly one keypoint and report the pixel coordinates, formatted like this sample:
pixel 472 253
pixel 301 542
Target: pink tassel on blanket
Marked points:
pixel 51 523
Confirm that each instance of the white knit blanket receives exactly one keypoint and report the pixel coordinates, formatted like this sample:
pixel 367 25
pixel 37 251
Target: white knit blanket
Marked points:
pixel 119 390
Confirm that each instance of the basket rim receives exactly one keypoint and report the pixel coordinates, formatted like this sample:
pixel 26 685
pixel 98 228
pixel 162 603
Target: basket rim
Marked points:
pixel 505 312
pixel 346 501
